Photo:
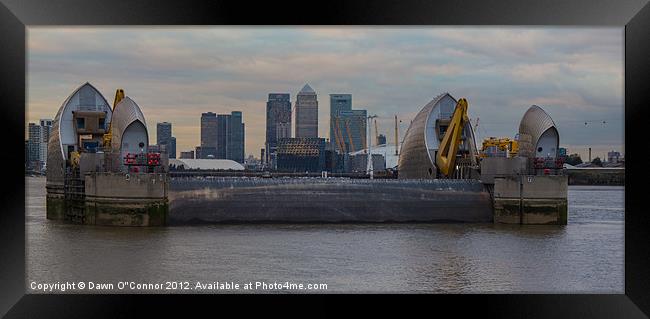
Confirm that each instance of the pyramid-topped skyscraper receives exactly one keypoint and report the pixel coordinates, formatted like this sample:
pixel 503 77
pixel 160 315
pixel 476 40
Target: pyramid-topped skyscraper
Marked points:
pixel 306 113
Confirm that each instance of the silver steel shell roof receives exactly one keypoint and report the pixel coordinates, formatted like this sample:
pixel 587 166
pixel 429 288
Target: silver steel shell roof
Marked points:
pixel 125 113
pixel 416 158
pixel 55 152
pixel 533 124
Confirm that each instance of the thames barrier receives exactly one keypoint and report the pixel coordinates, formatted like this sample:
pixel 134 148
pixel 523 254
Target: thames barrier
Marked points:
pixel 101 172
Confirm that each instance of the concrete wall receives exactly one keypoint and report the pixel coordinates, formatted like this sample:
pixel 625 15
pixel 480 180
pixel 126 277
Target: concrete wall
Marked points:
pixel 91 162
pixel 492 167
pixel 126 186
pixel 112 199
pixel 120 199
pixel 531 199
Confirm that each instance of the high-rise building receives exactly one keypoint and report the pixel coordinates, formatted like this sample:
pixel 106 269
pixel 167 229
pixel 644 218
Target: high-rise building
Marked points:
pixel 278 123
pixel 39 135
pixel 351 129
pixel 208 135
pixel 223 132
pixel 236 136
pixel 35 139
pixel 46 125
pixel 163 132
pixel 305 154
pixel 164 139
pixel 306 113
pixel 352 125
pixel 338 103
pixel 171 147
pixel 230 137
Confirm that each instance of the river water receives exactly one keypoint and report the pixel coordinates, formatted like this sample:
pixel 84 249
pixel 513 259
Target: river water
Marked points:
pixel 586 256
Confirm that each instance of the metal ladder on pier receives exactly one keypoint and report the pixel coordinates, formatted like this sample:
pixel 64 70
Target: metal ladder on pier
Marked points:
pixel 75 195
pixel 490 189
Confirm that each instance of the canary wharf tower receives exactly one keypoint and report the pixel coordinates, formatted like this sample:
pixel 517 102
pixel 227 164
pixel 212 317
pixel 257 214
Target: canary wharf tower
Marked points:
pixel 306 113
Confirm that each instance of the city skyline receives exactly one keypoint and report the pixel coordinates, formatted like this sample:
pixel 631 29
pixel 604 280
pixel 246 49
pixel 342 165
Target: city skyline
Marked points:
pixel 175 74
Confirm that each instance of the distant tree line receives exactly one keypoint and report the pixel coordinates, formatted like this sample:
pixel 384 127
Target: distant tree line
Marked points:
pixel 573 159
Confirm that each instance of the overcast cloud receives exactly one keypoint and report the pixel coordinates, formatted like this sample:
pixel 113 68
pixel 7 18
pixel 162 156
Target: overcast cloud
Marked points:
pixel 175 74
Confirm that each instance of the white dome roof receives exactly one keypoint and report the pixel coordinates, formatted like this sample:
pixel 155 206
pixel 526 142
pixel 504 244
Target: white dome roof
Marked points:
pixel 212 164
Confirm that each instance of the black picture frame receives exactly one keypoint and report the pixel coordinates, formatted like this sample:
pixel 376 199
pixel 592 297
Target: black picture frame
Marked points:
pixel 634 16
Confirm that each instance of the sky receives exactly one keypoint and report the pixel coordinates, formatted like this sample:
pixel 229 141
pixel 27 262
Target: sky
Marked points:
pixel 175 74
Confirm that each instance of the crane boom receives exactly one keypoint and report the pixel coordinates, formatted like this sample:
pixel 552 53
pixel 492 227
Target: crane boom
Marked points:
pixel 347 129
pixel 446 158
pixel 376 133
pixel 108 137
pixel 338 136
pixel 396 137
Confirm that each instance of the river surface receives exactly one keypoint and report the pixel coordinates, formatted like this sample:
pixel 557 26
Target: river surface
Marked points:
pixel 586 256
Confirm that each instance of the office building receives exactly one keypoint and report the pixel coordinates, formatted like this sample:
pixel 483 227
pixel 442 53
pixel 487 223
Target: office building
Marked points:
pixel 163 132
pixel 230 137
pixel 165 140
pixel 208 135
pixel 347 126
pixel 171 147
pixel 237 137
pixel 306 113
pixel 39 135
pixel 338 102
pixel 304 154
pixel 352 128
pixel 278 124
pixel 223 130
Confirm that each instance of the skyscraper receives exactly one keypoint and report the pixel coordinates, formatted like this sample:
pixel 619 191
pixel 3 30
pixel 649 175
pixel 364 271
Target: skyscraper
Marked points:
pixel 208 135
pixel 223 134
pixel 34 140
pixel 278 123
pixel 230 137
pixel 236 135
pixel 164 139
pixel 163 132
pixel 39 135
pixel 351 130
pixel 352 125
pixel 306 113
pixel 46 126
pixel 171 147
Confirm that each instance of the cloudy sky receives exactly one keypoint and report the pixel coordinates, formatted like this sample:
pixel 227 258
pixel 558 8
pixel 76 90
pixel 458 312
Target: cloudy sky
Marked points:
pixel 175 74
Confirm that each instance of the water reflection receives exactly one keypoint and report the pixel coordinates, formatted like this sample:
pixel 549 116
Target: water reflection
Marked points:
pixel 584 256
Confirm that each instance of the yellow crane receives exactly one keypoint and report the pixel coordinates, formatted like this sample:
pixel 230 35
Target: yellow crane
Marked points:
pixel 339 136
pixel 376 133
pixel 502 144
pixel 347 129
pixel 108 137
pixel 364 137
pixel 396 137
pixel 446 158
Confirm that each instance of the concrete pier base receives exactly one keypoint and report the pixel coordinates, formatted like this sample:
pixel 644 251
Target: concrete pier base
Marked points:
pixel 115 199
pixel 531 200
pixel 130 213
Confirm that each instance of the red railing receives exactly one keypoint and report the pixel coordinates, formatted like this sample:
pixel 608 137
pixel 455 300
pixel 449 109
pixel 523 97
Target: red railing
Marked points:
pixel 550 162
pixel 142 159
